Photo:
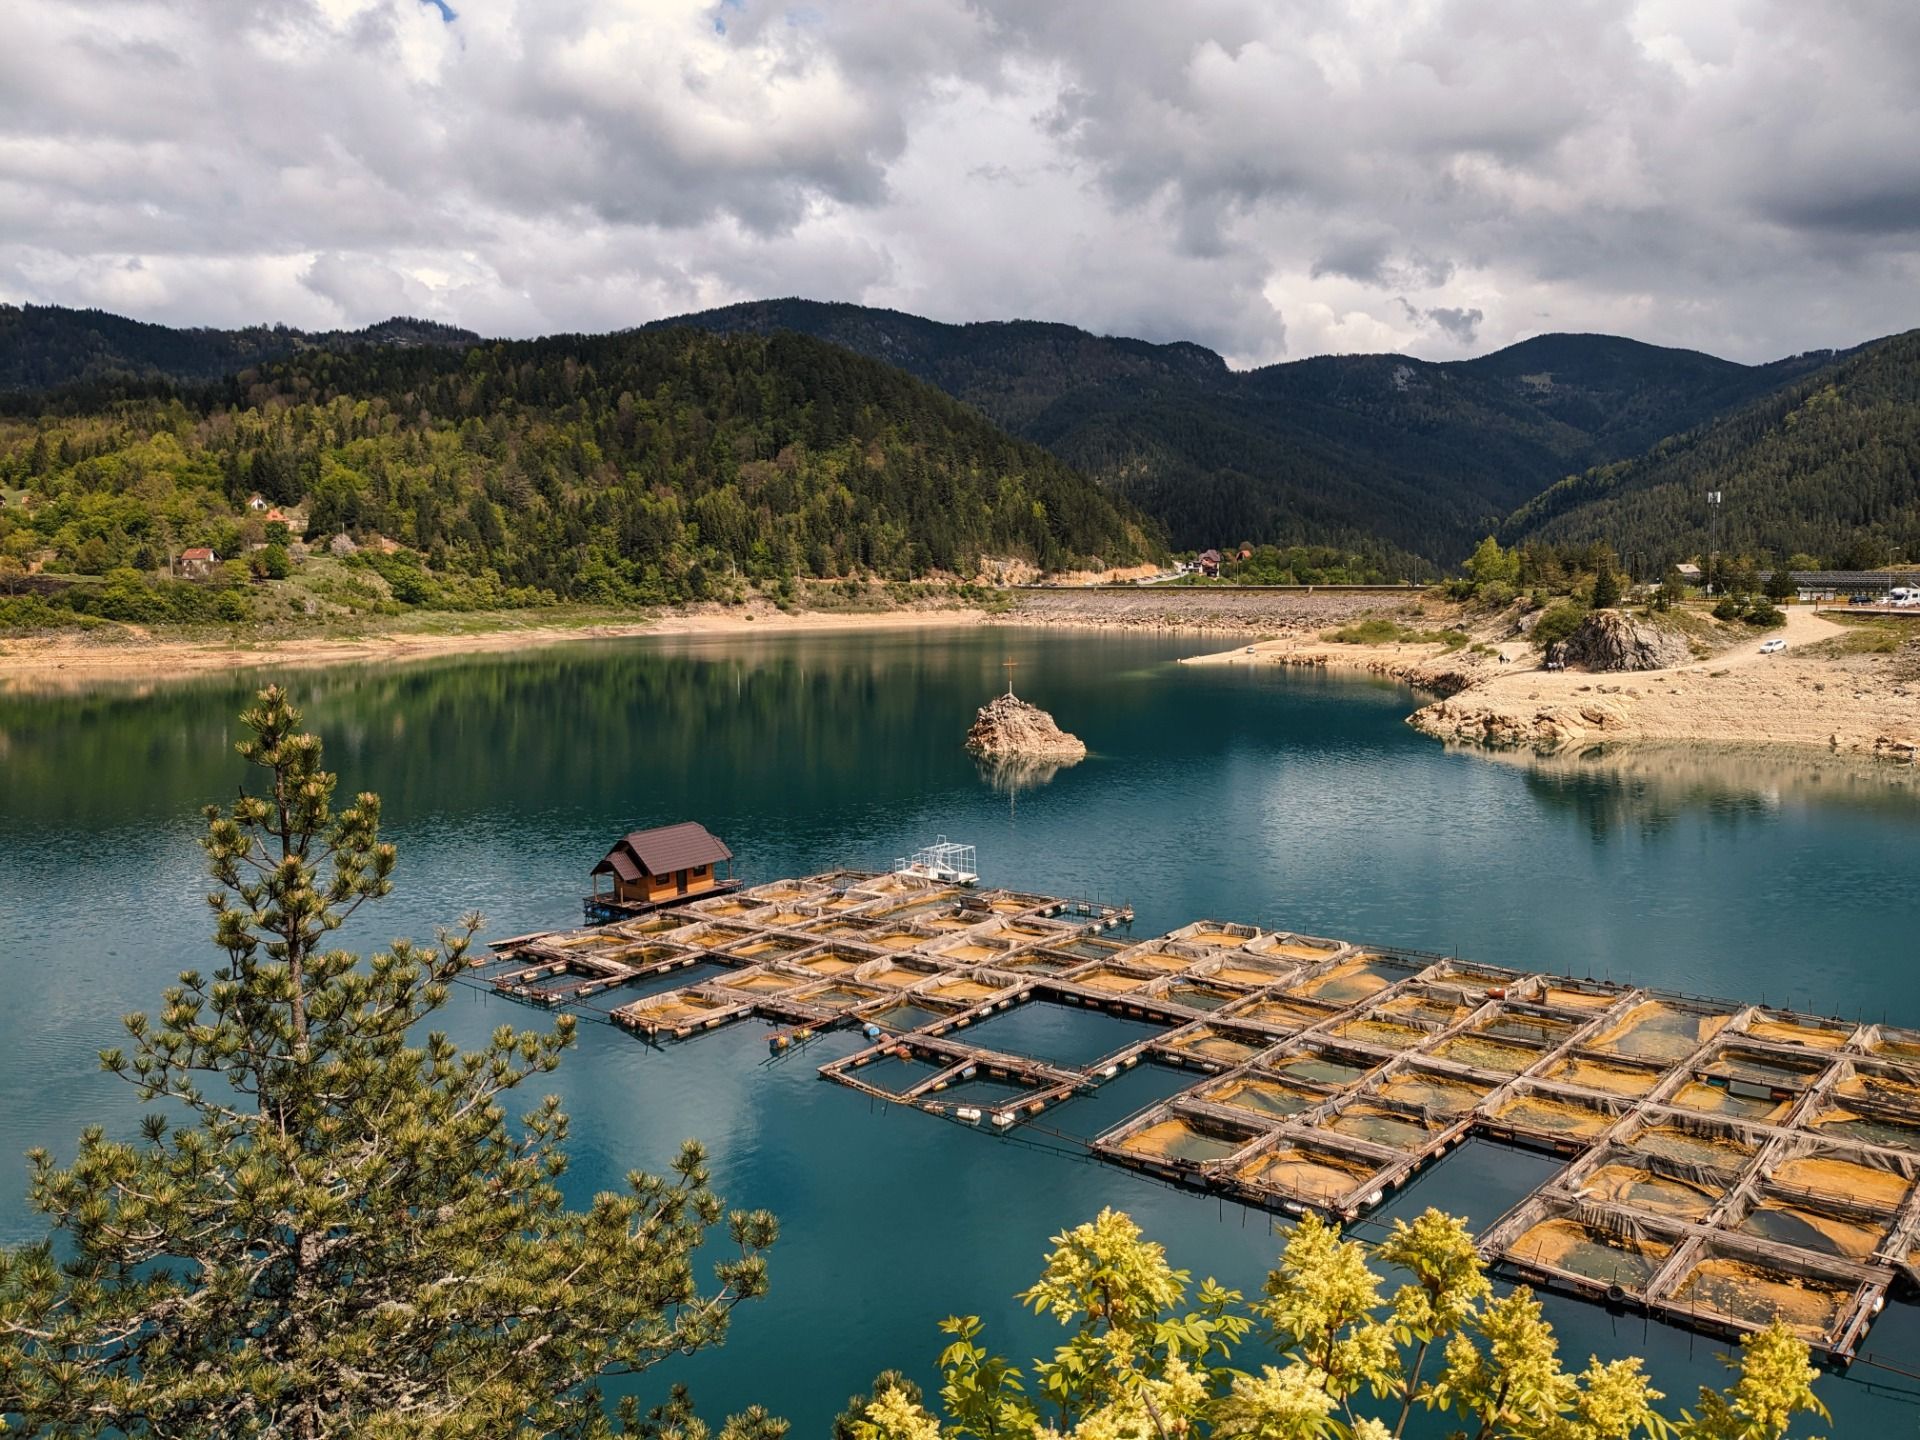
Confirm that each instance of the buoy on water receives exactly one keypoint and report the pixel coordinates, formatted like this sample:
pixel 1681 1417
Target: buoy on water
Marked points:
pixel 872 1032
pixel 777 1043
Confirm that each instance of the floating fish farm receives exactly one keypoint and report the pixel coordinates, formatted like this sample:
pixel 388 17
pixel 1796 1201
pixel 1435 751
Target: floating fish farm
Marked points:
pixel 1727 1164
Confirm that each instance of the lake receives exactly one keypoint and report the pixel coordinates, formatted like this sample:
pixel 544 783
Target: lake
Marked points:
pixel 1284 798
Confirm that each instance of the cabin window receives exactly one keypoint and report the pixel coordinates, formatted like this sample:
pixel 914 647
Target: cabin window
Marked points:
pixel 698 871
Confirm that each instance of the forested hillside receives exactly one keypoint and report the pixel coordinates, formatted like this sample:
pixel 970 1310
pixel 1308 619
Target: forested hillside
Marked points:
pixel 1399 465
pixel 45 346
pixel 637 467
pixel 1405 461
pixel 1828 467
pixel 1624 395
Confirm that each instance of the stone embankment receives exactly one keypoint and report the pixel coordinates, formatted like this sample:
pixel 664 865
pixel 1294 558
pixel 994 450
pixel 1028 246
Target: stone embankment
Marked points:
pixel 1199 607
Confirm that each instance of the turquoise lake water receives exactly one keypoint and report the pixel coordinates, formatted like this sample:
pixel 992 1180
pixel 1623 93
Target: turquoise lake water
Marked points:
pixel 1281 798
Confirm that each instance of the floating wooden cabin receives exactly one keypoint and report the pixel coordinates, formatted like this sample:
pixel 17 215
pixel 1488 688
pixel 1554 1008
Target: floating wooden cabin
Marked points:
pixel 662 866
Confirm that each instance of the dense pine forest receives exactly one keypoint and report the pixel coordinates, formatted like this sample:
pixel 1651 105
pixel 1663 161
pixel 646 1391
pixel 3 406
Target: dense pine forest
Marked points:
pixel 43 347
pixel 766 444
pixel 1406 462
pixel 635 468
pixel 1828 468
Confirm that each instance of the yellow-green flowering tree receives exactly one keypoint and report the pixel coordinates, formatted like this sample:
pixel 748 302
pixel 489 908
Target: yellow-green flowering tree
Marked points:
pixel 1342 1360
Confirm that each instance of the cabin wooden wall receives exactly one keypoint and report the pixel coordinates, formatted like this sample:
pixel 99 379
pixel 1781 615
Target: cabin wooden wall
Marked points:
pixel 664 887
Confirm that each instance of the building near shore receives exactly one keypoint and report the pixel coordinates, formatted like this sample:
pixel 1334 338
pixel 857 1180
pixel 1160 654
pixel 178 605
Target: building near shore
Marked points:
pixel 1840 584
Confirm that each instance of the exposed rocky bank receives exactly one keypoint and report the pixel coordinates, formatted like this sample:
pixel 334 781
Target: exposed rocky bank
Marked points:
pixel 1862 704
pixel 1497 694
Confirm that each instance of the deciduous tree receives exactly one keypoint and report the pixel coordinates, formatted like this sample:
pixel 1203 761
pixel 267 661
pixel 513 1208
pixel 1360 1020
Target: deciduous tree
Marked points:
pixel 1346 1361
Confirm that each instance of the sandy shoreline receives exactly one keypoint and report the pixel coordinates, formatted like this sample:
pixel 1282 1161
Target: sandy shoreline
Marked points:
pixel 69 660
pixel 63 659
pixel 1485 696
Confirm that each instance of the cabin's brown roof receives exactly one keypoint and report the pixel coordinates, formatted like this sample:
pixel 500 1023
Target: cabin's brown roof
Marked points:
pixel 663 850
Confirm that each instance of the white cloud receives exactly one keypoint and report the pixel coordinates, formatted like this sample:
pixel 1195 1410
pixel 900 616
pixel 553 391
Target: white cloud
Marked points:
pixel 1269 177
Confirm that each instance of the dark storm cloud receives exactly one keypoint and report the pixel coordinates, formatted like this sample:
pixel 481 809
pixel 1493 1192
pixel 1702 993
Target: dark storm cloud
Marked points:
pixel 1269 177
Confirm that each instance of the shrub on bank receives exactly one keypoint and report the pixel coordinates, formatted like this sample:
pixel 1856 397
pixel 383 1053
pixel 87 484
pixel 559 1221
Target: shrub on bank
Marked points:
pixel 1558 623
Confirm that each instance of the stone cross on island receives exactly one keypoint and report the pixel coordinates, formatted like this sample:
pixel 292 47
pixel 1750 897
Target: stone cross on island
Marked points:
pixel 1008 665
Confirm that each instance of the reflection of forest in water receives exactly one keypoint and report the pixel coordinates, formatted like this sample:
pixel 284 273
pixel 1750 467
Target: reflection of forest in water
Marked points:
pixel 679 720
pixel 1647 788
pixel 553 722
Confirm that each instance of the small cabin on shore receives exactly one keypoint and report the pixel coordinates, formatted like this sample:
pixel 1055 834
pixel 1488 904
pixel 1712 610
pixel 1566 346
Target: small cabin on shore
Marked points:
pixel 668 863
pixel 197 562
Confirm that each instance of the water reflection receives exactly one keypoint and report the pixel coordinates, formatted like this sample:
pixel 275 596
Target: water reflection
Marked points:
pixel 1648 787
pixel 1012 775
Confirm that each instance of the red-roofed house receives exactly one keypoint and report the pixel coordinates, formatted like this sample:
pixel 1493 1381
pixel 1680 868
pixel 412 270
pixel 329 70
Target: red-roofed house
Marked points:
pixel 197 562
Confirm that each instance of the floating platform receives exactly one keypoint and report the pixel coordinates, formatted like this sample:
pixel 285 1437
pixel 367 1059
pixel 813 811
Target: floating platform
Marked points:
pixel 1727 1164
pixel 599 909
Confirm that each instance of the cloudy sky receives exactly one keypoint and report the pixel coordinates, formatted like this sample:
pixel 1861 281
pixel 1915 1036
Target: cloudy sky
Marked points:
pixel 1272 179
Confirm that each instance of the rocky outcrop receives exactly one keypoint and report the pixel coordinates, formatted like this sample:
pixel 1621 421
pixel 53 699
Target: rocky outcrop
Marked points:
pixel 1608 640
pixel 1007 727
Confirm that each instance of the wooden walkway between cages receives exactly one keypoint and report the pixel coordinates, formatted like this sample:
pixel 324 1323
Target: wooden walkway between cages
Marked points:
pixel 1726 1162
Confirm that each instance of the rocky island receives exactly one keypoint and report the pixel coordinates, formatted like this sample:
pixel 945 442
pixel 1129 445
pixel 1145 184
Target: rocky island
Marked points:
pixel 1008 728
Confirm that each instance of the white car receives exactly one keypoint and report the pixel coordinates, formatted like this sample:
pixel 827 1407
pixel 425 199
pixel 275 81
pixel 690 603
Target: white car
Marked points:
pixel 1773 646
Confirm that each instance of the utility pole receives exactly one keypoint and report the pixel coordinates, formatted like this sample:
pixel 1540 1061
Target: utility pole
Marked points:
pixel 1713 532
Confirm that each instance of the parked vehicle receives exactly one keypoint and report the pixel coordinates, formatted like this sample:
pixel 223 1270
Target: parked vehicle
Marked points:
pixel 1773 646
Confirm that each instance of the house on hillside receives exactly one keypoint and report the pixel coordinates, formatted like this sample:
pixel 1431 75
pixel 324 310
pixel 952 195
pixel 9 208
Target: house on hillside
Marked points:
pixel 662 866
pixel 1208 562
pixel 1688 572
pixel 196 563
pixel 256 501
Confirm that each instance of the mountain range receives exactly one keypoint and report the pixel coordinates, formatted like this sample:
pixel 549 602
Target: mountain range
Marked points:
pixel 46 346
pixel 1405 462
pixel 1407 459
